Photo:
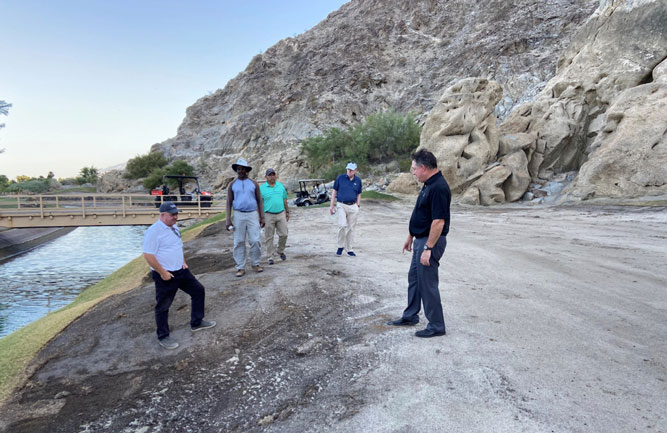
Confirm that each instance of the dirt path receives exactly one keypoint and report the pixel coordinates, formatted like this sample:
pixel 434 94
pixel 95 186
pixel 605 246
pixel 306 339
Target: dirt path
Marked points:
pixel 556 322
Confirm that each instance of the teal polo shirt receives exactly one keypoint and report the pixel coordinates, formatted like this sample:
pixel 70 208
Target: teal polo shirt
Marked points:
pixel 273 197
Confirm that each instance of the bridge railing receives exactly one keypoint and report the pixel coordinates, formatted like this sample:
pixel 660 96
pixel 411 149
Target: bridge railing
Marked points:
pixel 99 209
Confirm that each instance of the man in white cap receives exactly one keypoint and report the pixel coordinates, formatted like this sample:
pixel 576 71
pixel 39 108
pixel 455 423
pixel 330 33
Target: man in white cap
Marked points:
pixel 347 190
pixel 163 250
pixel 244 197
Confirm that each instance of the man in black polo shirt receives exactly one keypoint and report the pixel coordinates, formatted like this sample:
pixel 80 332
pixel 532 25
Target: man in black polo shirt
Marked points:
pixel 427 240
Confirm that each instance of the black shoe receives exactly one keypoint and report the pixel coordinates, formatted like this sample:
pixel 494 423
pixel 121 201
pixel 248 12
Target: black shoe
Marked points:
pixel 402 322
pixel 205 324
pixel 427 333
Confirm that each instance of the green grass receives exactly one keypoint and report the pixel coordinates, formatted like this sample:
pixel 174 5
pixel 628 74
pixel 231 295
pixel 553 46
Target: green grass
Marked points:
pixel 75 190
pixel 214 219
pixel 374 195
pixel 20 347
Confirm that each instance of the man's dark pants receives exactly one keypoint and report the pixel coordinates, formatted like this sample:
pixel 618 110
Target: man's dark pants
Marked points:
pixel 423 285
pixel 165 291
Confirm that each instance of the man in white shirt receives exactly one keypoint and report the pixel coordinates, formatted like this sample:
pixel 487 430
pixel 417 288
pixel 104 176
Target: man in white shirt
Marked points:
pixel 163 250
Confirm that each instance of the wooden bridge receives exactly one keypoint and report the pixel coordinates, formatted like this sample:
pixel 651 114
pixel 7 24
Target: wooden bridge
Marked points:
pixel 20 211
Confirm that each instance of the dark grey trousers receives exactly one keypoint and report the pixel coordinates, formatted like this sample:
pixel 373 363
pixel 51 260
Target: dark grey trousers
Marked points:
pixel 423 286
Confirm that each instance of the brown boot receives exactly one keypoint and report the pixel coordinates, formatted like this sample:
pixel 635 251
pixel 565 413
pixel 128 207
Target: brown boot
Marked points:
pixel 240 272
pixel 257 268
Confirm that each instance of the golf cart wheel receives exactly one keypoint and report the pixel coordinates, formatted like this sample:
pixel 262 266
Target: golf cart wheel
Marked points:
pixel 307 203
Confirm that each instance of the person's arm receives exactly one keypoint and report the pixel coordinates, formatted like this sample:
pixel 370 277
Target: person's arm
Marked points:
pixel 358 200
pixel 260 204
pixel 153 263
pixel 286 209
pixel 434 234
pixel 407 245
pixel 230 200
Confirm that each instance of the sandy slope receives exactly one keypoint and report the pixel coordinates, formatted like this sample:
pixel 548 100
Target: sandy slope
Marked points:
pixel 556 321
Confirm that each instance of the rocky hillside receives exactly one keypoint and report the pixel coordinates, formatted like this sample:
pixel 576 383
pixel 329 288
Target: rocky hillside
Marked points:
pixel 602 118
pixel 368 56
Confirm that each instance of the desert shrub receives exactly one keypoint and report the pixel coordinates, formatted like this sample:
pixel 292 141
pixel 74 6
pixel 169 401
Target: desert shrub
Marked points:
pixel 382 137
pixel 142 165
pixel 35 186
pixel 154 179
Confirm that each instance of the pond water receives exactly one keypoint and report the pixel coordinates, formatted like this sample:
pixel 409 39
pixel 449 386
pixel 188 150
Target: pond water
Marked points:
pixel 52 275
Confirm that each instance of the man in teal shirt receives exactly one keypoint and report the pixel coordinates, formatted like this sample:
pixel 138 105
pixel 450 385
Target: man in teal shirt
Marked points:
pixel 274 196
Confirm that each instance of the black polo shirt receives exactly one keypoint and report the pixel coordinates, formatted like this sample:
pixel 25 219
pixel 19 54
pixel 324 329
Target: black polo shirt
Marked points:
pixel 432 204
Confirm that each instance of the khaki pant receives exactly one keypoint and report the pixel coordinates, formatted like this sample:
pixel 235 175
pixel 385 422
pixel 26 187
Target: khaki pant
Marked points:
pixel 275 223
pixel 246 223
pixel 347 219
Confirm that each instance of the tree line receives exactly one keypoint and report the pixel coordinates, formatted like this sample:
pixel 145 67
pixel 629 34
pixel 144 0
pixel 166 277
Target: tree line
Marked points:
pixel 42 184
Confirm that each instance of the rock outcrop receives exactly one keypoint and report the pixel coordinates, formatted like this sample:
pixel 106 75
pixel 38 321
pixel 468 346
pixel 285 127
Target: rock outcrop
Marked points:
pixel 366 57
pixel 405 183
pixel 603 112
pixel 630 159
pixel 113 181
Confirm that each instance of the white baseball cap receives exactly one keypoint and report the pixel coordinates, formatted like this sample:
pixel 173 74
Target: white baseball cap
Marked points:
pixel 351 166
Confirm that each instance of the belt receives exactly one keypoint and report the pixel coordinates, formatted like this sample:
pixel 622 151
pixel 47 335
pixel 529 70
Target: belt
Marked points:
pixel 245 211
pixel 171 272
pixel 349 202
pixel 276 213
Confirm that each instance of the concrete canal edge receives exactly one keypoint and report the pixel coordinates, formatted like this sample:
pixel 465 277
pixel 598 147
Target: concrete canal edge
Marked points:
pixel 17 241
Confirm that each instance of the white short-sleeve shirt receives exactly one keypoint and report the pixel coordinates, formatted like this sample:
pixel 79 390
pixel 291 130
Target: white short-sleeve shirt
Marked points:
pixel 165 244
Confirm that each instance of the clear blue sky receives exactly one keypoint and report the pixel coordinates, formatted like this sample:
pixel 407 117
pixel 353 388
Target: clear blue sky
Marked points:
pixel 96 82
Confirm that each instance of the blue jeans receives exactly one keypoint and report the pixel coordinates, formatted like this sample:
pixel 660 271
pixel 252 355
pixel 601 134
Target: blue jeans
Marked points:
pixel 423 285
pixel 165 291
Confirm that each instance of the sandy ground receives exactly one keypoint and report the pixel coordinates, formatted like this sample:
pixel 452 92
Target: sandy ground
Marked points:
pixel 556 322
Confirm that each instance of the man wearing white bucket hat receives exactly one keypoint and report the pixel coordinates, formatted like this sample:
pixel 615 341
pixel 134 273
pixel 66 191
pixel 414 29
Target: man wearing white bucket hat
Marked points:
pixel 347 190
pixel 244 197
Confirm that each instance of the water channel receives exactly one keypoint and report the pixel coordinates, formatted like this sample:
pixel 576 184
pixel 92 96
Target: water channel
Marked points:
pixel 50 276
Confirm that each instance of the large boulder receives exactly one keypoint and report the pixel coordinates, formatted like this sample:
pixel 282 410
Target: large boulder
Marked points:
pixel 405 183
pixel 113 182
pixel 630 156
pixel 461 131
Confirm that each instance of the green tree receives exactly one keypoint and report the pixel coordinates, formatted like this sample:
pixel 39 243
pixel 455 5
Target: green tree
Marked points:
pixel 87 175
pixel 142 165
pixel 382 137
pixel 178 167
pixel 4 183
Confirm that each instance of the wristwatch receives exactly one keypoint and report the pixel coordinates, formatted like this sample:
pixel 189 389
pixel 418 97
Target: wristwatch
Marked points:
pixel 427 248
